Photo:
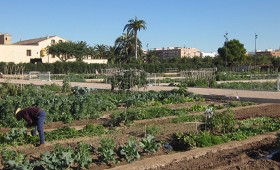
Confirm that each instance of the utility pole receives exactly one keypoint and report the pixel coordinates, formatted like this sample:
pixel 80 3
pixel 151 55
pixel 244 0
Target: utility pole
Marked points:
pixel 256 36
pixel 226 41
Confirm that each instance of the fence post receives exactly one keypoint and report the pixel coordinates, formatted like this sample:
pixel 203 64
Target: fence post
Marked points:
pixel 278 83
pixel 49 76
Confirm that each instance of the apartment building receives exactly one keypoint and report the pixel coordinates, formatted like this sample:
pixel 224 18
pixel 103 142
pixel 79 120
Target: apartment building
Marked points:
pixel 175 52
pixel 32 50
pixel 269 52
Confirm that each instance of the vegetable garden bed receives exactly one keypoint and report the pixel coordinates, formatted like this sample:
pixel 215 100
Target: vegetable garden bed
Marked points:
pixel 174 123
pixel 160 127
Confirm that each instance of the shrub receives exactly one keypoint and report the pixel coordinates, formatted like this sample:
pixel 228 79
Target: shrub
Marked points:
pixel 152 130
pixel 106 150
pixel 221 122
pixel 130 151
pixel 181 141
pixel 149 144
pixel 82 155
pixel 206 139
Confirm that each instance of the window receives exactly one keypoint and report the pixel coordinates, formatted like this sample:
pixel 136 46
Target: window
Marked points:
pixel 60 41
pixel 53 41
pixel 28 52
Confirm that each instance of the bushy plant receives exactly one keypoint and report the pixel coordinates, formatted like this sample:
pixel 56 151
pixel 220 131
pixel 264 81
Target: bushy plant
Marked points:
pixel 221 122
pixel 149 144
pixel 82 155
pixel 15 160
pixel 91 130
pixel 66 86
pixel 17 136
pixel 181 141
pixel 106 150
pixel 152 129
pixel 206 139
pixel 128 79
pixel 238 135
pixel 60 158
pixel 130 151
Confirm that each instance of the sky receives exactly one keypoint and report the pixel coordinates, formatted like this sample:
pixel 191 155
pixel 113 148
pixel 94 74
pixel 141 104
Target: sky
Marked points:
pixel 200 24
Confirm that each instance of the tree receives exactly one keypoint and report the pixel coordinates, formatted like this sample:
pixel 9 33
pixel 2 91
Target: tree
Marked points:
pixel 276 62
pixel 152 58
pixel 68 50
pixel 79 50
pixel 111 54
pixel 61 50
pixel 232 52
pixel 124 47
pixel 133 27
pixel 128 79
pixel 263 60
pixel 91 52
pixel 101 51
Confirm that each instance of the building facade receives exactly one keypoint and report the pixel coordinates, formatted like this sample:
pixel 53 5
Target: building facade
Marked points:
pixel 212 54
pixel 269 52
pixel 32 50
pixel 175 52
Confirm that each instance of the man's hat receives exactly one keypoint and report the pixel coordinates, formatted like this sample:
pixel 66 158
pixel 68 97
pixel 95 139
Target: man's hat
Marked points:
pixel 18 110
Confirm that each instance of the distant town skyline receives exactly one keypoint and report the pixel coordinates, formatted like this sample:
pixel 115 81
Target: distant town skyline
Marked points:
pixel 199 24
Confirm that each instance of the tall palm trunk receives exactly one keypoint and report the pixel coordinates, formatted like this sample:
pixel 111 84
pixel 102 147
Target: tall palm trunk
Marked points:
pixel 136 45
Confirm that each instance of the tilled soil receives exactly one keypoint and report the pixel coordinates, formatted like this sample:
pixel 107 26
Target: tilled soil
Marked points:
pixel 249 154
pixel 268 110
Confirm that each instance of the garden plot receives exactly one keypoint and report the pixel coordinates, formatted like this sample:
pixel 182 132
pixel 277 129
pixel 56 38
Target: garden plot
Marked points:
pixel 163 129
pixel 151 126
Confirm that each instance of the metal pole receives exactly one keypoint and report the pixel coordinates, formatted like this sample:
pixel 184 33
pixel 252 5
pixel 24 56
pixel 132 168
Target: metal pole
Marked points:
pixel 256 36
pixel 226 39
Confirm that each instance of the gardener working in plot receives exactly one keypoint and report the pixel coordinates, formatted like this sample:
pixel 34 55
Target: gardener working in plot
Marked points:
pixel 34 116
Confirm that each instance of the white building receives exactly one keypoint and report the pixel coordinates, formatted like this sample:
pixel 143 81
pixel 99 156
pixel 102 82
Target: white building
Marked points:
pixel 211 54
pixel 32 50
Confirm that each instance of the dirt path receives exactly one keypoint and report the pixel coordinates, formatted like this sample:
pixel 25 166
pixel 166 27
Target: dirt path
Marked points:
pixel 244 95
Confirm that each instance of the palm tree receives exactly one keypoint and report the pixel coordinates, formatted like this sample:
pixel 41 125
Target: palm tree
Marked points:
pixel 111 54
pixel 101 51
pixel 132 27
pixel 91 52
pixel 79 50
pixel 124 46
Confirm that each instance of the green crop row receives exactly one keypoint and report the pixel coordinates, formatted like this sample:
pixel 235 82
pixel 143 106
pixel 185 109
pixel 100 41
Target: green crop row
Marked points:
pixel 18 136
pixel 267 86
pixel 129 115
pixel 247 128
pixel 75 105
pixel 81 157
